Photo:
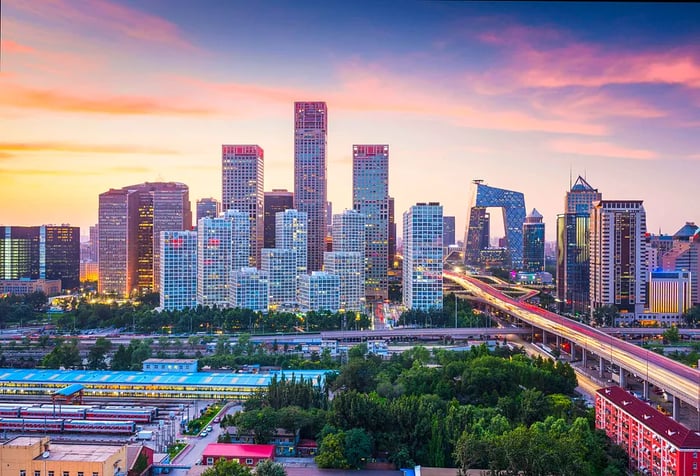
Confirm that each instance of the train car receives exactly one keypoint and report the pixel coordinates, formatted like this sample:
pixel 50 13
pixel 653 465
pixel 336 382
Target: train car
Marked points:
pixel 9 412
pixel 104 427
pixel 69 407
pixel 140 415
pixel 53 412
pixel 31 425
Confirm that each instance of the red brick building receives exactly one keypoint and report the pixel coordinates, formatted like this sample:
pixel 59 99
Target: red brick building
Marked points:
pixel 247 455
pixel 656 444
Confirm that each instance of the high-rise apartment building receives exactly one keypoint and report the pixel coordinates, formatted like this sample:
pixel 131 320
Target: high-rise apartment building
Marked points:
pixel 278 200
pixel 280 265
pixel 208 208
pixel 243 189
pixel 250 289
pixel 618 265
pixel 392 233
pixel 319 291
pixel 240 238
pixel 130 222
pixel 349 232
pixel 178 270
pixel 213 261
pixel 291 232
pixel 533 242
pixel 422 263
pixel 349 267
pixel 310 189
pixel 370 196
pixel 448 229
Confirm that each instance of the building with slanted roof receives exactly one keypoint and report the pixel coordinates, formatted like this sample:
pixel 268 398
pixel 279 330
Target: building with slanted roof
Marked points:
pixel 248 455
pixel 31 455
pixel 654 442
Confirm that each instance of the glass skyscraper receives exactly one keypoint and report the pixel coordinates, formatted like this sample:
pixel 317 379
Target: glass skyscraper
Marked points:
pixel 422 264
pixel 178 270
pixel 533 242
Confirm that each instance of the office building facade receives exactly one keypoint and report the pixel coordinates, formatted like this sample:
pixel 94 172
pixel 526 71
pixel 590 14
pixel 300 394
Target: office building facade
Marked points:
pixel 280 265
pixel 310 174
pixel 250 289
pixel 422 263
pixel 208 208
pixel 448 229
pixel 349 232
pixel 533 242
pixel 240 238
pixel 178 270
pixel 278 200
pixel 213 261
pixel 669 296
pixel 242 168
pixel 291 232
pixel 349 268
pixel 319 291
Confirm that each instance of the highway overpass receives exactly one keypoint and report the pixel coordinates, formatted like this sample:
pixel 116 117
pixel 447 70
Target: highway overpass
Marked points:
pixel 677 379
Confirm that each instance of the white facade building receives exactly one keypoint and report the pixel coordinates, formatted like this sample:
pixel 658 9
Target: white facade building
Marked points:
pixel 280 266
pixel 291 233
pixel 319 291
pixel 349 268
pixel 213 261
pixel 250 289
pixel 240 238
pixel 349 232
pixel 422 264
pixel 178 270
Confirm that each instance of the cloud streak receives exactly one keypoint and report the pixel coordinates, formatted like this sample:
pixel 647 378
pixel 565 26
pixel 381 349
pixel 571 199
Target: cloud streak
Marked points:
pixel 599 149
pixel 9 149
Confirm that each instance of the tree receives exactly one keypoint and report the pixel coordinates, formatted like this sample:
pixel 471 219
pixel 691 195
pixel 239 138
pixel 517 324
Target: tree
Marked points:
pixel 97 354
pixel 606 316
pixel 227 468
pixel 268 467
pixel 672 335
pixel 692 316
pixel 331 452
pixel 358 447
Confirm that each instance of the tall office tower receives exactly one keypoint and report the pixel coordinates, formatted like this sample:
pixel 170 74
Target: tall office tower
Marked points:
pixel 19 252
pixel 278 200
pixel 208 208
pixel 280 265
pixel 213 261
pixel 370 196
pixel 349 232
pixel 618 273
pixel 250 289
pixel 329 218
pixel 448 229
pixel 478 235
pixel 240 238
pixel 533 242
pixel 349 267
pixel 178 270
pixel 422 262
pixel 310 193
pixel 581 197
pixel 59 254
pixel 134 217
pixel 94 243
pixel 392 233
pixel 291 233
pixel 319 291
pixel 243 189
pixel 117 251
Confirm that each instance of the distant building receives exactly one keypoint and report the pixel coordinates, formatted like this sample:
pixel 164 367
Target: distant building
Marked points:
pixel 242 169
pixel 618 274
pixel 422 263
pixel 208 208
pixel 250 289
pixel 533 242
pixel 50 287
pixel 448 230
pixel 278 200
pixel 247 455
pixel 178 270
pixel 213 261
pixel 392 233
pixel 319 291
pixel 684 254
pixel 669 297
pixel 170 365
pixel 281 267
pixel 349 268
pixel 292 233
pixel 654 442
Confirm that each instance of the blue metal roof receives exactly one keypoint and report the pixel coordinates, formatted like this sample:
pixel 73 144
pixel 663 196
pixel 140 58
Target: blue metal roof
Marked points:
pixel 107 377
pixel 70 390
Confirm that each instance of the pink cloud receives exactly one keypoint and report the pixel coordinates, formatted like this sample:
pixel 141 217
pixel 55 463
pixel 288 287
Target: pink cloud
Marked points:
pixel 7 149
pixel 9 46
pixel 109 18
pixel 599 149
pixel 589 105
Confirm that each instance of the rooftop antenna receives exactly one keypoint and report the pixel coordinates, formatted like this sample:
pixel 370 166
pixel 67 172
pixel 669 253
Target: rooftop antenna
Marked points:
pixel 571 183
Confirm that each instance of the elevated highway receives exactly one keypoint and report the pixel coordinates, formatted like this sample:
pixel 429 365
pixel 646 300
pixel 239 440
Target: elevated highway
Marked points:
pixel 679 380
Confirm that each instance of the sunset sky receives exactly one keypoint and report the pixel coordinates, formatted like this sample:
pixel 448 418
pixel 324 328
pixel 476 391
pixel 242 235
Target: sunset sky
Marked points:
pixel 98 94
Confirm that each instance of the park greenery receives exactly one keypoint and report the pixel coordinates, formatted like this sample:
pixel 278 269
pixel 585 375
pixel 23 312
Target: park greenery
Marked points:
pixel 495 410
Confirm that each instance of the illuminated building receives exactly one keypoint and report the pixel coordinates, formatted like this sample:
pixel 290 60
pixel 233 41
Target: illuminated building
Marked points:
pixel 213 261
pixel 178 270
pixel 349 267
pixel 278 200
pixel 240 238
pixel 50 287
pixel 392 233
pixel 89 271
pixel 349 232
pixel 618 274
pixel 246 454
pixel 208 208
pixel 422 260
pixel 281 267
pixel 533 242
pixel 580 198
pixel 370 197
pixel 310 193
pixel 250 289
pixel 655 443
pixel 448 229
pixel 291 232
pixel 319 291
pixel 242 168
pixel 684 254
pixel 669 296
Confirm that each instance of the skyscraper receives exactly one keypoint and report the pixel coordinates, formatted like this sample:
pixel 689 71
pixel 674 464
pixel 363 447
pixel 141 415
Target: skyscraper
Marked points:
pixel 349 267
pixel 130 222
pixel 533 242
pixel 240 238
pixel 319 291
pixel 349 232
pixel 278 200
pixel 422 264
pixel 291 233
pixel 178 270
pixel 581 197
pixel 208 208
pixel 392 233
pixel 243 189
pixel 310 193
pixel 280 266
pixel 618 269
pixel 250 289
pixel 370 196
pixel 448 225
pixel 213 261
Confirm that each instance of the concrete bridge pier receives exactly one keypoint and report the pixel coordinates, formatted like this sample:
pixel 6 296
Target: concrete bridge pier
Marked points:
pixel 584 357
pixel 623 378
pixel 676 412
pixel 645 389
pixel 573 351
pixel 558 342
pixel 544 337
pixel 601 366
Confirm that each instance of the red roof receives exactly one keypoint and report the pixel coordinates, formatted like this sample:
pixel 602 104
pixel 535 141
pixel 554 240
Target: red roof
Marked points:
pixel 229 450
pixel 664 426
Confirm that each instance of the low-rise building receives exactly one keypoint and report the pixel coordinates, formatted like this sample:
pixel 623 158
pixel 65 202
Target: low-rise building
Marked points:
pixel 283 440
pixel 170 365
pixel 247 455
pixel 50 287
pixel 655 443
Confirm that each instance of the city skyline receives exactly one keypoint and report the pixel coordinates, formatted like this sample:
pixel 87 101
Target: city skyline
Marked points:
pixel 97 94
